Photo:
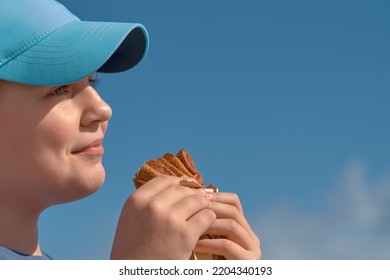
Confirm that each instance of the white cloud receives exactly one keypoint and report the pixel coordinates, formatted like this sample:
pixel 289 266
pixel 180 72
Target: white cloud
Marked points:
pixel 354 224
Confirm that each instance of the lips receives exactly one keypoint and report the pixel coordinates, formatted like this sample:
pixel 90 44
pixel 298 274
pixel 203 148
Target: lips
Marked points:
pixel 94 147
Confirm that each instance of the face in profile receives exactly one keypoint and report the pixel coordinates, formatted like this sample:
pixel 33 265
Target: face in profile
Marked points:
pixel 51 142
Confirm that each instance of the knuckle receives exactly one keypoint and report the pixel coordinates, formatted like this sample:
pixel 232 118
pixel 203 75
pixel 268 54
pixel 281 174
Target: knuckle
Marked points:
pixel 213 216
pixel 171 220
pixel 256 254
pixel 208 217
pixel 210 214
pixel 259 254
pixel 154 207
pixel 134 202
pixel 202 201
pixel 232 225
pixel 226 244
pixel 235 198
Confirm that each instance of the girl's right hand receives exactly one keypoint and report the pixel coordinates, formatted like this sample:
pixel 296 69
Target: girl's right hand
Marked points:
pixel 162 220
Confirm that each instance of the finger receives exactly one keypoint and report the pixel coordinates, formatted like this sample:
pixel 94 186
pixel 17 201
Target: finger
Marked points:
pixel 227 198
pixel 157 184
pixel 190 205
pixel 201 221
pixel 226 211
pixel 226 248
pixel 232 231
pixel 175 193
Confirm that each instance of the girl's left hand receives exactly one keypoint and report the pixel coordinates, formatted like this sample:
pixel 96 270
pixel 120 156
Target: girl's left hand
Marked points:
pixel 240 242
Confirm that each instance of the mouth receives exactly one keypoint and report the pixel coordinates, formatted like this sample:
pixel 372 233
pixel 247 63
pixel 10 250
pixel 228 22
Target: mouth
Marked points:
pixel 93 148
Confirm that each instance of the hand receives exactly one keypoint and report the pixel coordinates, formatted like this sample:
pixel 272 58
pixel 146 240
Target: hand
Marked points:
pixel 240 241
pixel 162 220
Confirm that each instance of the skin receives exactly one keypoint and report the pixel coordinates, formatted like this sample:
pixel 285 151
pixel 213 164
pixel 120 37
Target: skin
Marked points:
pixel 171 218
pixel 51 153
pixel 44 131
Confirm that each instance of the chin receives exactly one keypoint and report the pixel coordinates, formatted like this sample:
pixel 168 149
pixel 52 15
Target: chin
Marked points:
pixel 83 186
pixel 93 183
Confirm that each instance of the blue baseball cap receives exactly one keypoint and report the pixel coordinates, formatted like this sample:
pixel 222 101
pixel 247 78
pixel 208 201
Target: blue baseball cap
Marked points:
pixel 43 43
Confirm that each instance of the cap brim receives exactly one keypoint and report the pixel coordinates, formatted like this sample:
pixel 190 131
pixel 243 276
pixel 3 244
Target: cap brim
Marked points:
pixel 78 49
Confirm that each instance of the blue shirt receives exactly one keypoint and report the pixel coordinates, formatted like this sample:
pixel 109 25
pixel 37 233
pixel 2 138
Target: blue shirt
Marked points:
pixel 7 254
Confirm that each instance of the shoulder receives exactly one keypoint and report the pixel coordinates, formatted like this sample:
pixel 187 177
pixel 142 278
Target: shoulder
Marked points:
pixel 7 254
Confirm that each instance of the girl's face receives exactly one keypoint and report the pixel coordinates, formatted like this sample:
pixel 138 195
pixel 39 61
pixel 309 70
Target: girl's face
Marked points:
pixel 51 142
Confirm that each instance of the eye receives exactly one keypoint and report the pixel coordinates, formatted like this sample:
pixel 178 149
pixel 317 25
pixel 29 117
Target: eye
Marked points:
pixel 94 82
pixel 59 91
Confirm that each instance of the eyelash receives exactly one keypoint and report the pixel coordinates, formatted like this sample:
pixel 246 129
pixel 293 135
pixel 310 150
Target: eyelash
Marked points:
pixel 62 89
pixel 94 82
pixel 58 91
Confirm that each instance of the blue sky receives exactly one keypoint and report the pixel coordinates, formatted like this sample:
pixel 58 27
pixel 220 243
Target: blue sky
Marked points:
pixel 283 102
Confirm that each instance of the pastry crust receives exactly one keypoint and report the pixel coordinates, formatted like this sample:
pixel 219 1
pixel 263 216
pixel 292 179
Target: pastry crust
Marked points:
pixel 181 165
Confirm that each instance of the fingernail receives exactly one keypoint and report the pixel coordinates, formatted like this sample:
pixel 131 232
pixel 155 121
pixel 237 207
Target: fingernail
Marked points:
pixel 187 179
pixel 190 182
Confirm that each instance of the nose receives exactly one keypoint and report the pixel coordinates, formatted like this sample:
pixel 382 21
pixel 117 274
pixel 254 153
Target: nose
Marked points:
pixel 96 110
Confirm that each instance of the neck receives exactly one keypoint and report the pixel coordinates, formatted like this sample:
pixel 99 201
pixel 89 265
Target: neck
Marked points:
pixel 19 229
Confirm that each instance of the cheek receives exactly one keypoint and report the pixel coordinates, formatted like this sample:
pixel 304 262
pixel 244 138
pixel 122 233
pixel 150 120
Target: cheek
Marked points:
pixel 29 139
pixel 52 141
pixel 36 146
pixel 34 154
pixel 36 129
pixel 56 133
